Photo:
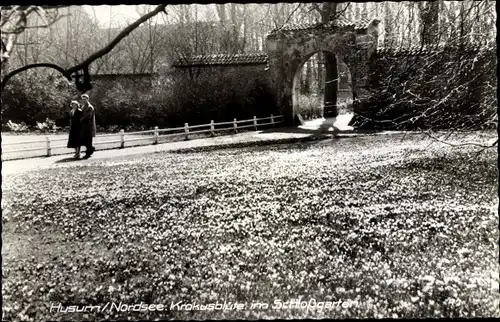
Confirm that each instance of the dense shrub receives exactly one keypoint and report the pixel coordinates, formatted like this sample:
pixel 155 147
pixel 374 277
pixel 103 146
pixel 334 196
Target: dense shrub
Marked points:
pixel 452 87
pixel 222 95
pixel 310 106
pixel 33 97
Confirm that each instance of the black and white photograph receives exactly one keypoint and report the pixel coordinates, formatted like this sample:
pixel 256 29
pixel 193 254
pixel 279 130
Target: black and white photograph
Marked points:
pixel 249 160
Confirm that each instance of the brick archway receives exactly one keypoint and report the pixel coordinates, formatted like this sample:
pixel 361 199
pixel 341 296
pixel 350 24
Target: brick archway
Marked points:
pixel 290 46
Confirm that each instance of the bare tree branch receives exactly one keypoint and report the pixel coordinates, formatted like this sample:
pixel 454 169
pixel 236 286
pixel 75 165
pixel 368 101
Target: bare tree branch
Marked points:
pixel 340 13
pixel 117 39
pixel 30 66
pixel 291 14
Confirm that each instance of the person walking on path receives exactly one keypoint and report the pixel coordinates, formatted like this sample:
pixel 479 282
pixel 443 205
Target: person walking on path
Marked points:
pixel 88 126
pixel 75 128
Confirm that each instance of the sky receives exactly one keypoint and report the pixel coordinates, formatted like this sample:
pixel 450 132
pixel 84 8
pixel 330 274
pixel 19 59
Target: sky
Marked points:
pixel 117 14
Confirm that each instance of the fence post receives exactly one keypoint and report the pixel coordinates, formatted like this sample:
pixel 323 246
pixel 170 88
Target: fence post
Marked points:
pixel 49 149
pixel 122 138
pixel 186 130
pixel 255 122
pixel 272 120
pixel 212 128
pixel 235 125
pixel 156 135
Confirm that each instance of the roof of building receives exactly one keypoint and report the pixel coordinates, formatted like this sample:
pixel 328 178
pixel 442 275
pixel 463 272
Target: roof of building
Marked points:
pixel 222 59
pixel 125 75
pixel 426 50
pixel 340 22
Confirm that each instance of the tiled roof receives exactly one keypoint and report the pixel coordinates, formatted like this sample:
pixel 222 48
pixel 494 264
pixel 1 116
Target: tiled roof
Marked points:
pixel 125 75
pixel 364 23
pixel 407 51
pixel 425 50
pixel 222 59
pixel 340 22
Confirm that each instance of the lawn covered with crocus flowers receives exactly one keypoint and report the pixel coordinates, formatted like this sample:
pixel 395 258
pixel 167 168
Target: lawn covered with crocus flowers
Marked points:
pixel 360 227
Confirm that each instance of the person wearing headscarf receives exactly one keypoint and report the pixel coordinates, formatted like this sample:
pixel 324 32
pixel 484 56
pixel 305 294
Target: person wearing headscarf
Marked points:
pixel 75 128
pixel 88 127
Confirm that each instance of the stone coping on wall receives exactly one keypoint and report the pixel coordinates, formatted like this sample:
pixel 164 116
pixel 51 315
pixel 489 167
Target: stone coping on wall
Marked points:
pixel 340 22
pixel 429 50
pixel 222 59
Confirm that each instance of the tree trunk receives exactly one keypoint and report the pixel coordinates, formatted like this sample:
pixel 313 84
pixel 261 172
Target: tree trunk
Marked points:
pixel 307 81
pixel 245 31
pixel 314 70
pixel 234 30
pixel 411 22
pixel 429 14
pixel 388 25
pixel 331 85
pixel 462 23
pixel 331 73
pixel 357 11
pixel 224 40
pixel 364 10
pixel 321 79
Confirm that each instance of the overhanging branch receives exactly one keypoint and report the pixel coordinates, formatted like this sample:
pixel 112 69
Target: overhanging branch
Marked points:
pixel 117 39
pixel 30 66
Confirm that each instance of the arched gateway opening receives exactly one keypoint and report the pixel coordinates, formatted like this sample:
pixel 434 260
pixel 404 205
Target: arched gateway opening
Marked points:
pixel 292 45
pixel 309 86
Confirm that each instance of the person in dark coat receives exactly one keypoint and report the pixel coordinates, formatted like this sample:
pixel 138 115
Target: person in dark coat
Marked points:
pixel 88 126
pixel 75 128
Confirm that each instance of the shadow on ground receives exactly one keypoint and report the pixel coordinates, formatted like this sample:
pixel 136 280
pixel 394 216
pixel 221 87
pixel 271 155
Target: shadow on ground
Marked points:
pixel 290 129
pixel 311 138
pixel 65 160
pixel 298 130
pixel 319 127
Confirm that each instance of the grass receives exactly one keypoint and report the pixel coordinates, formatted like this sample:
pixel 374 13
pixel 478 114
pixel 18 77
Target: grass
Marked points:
pixel 404 228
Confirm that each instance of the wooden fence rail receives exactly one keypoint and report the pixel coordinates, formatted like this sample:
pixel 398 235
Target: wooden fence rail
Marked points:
pixel 154 136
